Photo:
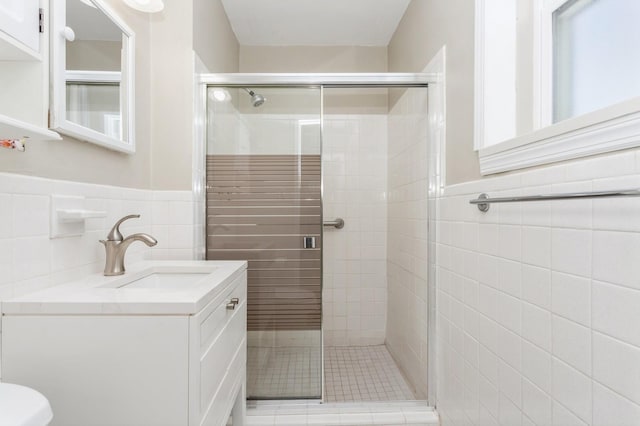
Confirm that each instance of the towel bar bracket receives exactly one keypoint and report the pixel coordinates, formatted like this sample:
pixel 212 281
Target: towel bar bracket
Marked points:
pixel 483 207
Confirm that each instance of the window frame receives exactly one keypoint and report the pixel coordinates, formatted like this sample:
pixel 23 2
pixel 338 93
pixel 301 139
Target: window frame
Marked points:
pixel 612 128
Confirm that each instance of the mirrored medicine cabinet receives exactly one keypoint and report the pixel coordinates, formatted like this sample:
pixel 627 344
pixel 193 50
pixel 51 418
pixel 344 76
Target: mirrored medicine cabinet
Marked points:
pixel 92 74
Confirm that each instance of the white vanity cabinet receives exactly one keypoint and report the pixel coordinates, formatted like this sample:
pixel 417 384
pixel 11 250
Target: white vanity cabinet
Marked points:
pixel 19 30
pixel 119 368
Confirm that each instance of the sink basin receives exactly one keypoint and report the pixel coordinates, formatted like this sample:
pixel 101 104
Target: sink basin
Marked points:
pixel 162 278
pixel 167 280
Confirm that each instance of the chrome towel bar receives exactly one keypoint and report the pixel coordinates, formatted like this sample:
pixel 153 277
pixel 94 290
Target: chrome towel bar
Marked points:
pixel 484 202
pixel 336 223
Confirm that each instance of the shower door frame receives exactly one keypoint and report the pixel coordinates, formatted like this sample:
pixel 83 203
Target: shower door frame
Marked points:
pixel 316 80
pixel 322 81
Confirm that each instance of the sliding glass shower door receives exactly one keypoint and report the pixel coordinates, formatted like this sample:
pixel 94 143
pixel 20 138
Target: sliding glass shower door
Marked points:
pixel 264 205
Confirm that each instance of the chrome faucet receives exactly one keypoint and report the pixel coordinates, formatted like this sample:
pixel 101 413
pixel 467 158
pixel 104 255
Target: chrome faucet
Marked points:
pixel 116 246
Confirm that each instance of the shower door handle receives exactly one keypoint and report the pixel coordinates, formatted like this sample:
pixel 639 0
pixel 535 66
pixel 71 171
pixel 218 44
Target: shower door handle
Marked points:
pixel 309 242
pixel 338 223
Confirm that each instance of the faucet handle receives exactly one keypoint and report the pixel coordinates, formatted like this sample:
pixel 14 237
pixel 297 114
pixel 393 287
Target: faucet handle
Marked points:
pixel 115 234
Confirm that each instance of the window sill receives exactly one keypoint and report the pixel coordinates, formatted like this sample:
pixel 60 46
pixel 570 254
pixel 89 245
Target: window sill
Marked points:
pixel 611 129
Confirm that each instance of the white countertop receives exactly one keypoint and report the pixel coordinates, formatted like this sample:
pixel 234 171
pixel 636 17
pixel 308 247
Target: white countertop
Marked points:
pixel 100 295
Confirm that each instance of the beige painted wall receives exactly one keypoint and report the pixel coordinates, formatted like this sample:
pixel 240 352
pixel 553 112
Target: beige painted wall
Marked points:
pixel 183 27
pixel 524 67
pixel 425 28
pixel 213 39
pixel 71 159
pixel 172 107
pixel 164 101
pixel 314 59
pixel 94 55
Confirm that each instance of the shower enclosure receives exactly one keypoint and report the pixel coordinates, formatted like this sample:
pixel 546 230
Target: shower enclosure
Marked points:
pixel 318 296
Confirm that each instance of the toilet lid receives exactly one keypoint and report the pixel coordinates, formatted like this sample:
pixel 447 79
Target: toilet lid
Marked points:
pixel 23 406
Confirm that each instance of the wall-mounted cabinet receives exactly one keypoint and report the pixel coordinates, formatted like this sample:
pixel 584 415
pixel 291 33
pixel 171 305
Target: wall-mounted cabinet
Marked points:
pixel 10 128
pixel 92 74
pixel 24 76
pixel 20 29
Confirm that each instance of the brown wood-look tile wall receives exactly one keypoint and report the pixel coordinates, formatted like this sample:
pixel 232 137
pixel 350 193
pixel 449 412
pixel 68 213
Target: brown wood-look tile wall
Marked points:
pixel 259 208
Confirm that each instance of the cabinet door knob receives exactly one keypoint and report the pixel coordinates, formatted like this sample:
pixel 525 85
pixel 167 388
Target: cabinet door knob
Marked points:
pixel 235 300
pixel 231 306
pixel 69 34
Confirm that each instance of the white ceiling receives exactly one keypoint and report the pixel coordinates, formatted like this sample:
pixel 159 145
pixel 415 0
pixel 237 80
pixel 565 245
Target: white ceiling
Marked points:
pixel 315 22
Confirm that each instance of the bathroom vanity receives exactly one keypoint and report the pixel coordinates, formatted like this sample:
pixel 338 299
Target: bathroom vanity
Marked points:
pixel 164 344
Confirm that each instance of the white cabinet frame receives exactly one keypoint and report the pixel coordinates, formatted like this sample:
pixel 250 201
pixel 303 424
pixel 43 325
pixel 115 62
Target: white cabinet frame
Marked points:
pixel 58 108
pixel 20 37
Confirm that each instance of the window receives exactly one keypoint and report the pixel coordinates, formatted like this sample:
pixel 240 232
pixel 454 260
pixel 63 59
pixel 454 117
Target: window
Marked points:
pixel 569 80
pixel 596 55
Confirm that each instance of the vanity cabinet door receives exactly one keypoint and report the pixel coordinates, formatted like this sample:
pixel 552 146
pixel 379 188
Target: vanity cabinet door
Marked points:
pixel 19 28
pixel 218 365
pixel 102 370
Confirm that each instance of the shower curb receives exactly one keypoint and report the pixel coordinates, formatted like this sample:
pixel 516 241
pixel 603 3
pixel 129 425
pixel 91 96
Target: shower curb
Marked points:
pixel 343 414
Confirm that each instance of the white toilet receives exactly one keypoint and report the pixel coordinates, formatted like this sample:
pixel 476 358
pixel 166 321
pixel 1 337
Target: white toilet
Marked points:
pixel 23 406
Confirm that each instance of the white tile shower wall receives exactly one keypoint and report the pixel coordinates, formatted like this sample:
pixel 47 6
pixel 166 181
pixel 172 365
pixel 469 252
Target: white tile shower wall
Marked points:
pixel 355 181
pixel 407 237
pixel 538 302
pixel 234 133
pixel 354 258
pixel 269 133
pixel 227 133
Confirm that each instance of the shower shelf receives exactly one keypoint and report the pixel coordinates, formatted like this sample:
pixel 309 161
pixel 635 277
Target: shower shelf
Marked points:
pixel 10 128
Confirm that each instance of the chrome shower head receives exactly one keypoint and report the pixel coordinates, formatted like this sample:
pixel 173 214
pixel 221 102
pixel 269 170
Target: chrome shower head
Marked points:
pixel 256 98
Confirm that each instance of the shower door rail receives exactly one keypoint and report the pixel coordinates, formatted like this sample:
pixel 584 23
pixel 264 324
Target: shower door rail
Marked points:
pixel 326 80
